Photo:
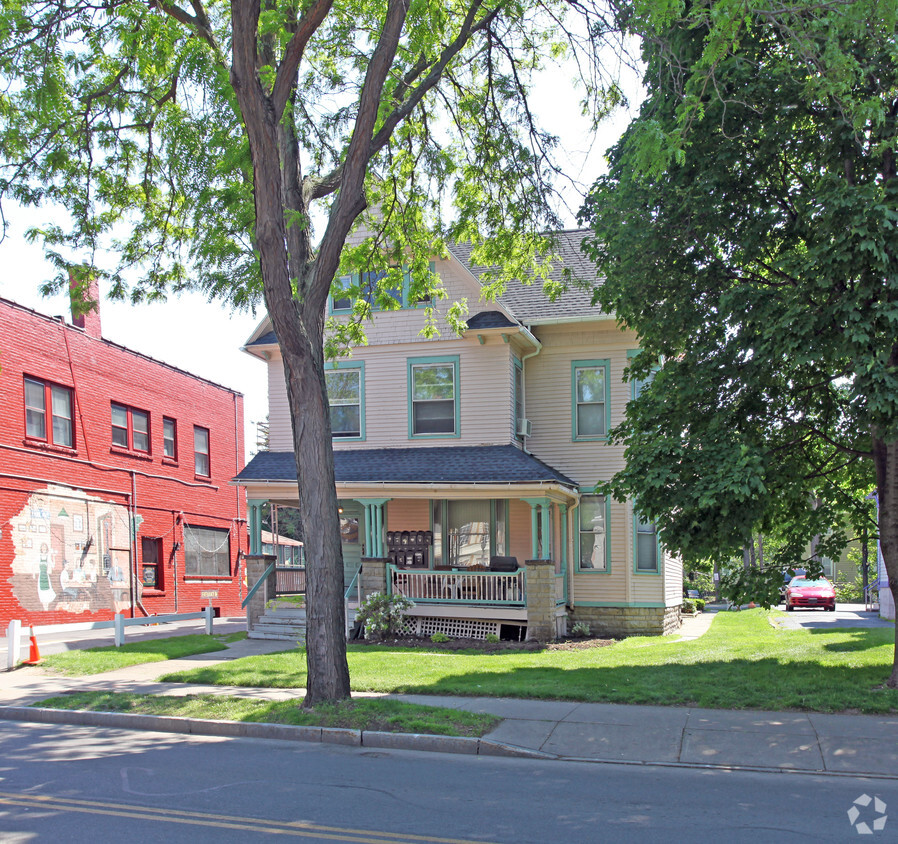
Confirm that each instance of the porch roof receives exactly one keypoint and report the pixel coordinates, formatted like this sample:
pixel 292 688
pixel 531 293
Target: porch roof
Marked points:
pixel 481 464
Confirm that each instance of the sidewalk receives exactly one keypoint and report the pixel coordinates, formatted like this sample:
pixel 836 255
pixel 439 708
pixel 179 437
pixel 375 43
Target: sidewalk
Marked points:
pixel 594 732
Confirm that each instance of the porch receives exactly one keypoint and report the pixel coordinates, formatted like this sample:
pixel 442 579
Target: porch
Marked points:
pixel 435 520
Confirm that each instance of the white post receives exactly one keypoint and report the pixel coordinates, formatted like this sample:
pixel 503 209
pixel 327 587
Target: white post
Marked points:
pixel 208 611
pixel 119 628
pixel 13 633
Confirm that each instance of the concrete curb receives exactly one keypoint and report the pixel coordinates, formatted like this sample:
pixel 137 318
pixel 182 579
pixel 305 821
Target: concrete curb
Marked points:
pixel 277 732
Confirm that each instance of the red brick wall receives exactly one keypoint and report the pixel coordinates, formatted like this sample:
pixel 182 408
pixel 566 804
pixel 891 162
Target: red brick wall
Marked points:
pixel 55 561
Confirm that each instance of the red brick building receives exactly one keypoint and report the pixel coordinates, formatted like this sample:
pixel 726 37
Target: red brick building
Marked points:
pixel 114 478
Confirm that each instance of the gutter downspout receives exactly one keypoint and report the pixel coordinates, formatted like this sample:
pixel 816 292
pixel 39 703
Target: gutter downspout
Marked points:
pixel 534 353
pixel 132 539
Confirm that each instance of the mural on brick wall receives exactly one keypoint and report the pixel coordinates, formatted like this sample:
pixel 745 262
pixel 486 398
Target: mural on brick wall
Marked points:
pixel 71 553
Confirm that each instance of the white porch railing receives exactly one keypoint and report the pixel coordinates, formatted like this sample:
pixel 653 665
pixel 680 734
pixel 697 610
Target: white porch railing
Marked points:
pixel 459 587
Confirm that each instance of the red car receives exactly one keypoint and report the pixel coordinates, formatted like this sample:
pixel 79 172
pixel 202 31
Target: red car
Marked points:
pixel 808 594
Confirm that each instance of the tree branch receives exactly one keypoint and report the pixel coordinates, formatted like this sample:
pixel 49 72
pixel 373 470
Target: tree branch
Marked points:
pixel 286 73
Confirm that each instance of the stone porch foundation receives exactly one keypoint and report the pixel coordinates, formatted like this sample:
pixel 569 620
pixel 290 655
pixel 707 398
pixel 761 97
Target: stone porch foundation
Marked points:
pixel 627 621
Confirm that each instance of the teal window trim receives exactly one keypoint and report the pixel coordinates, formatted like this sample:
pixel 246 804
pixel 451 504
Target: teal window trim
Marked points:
pixel 643 604
pixel 355 279
pixel 411 363
pixel 406 290
pixel 638 384
pixel 360 366
pixel 605 365
pixel 607 570
pixel 345 281
pixel 636 570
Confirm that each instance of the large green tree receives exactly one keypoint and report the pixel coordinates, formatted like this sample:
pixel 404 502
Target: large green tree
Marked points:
pixel 193 140
pixel 747 231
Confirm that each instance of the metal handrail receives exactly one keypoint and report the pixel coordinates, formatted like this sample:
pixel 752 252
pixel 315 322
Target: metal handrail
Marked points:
pixel 352 584
pixel 266 574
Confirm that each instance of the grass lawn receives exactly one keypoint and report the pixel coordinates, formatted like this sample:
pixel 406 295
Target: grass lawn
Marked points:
pixel 361 714
pixel 742 662
pixel 98 660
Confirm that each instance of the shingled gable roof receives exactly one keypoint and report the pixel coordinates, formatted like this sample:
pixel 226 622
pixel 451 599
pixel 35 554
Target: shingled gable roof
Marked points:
pixel 482 464
pixel 529 303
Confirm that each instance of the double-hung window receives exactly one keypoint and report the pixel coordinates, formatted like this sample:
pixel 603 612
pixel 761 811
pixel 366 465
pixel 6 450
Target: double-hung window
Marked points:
pixel 345 394
pixel 206 552
pixel 169 438
pixel 201 462
pixel 589 391
pixel 646 545
pixel 593 533
pixel 433 397
pixel 49 412
pixel 130 428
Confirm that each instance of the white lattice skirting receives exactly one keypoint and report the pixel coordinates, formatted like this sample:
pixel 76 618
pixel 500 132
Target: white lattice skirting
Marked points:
pixel 455 628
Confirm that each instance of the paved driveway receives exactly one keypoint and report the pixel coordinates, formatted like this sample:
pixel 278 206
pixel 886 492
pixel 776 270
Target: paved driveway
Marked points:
pixel 846 615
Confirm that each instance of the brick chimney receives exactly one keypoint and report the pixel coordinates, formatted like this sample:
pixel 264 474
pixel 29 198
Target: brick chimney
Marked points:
pixel 85 295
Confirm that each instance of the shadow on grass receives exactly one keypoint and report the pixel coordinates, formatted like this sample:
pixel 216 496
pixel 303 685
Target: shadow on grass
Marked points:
pixel 861 639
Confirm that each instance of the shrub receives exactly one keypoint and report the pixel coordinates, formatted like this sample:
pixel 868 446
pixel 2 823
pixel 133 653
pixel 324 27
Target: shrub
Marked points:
pixel 439 638
pixel 492 638
pixel 580 628
pixel 699 604
pixel 688 605
pixel 849 593
pixel 381 615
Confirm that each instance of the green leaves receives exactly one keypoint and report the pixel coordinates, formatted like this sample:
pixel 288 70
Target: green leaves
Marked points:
pixel 745 230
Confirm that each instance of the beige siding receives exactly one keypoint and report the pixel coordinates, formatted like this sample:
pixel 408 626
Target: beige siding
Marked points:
pixel 614 584
pixel 280 430
pixel 673 579
pixel 548 395
pixel 485 398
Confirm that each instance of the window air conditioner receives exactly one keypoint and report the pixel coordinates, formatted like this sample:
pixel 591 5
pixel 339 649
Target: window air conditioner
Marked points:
pixel 524 427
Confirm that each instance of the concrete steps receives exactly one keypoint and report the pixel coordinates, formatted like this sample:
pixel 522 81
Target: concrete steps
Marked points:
pixel 285 622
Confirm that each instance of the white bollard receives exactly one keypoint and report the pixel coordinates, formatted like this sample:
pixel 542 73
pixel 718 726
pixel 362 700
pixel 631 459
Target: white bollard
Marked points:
pixel 13 635
pixel 119 627
pixel 209 612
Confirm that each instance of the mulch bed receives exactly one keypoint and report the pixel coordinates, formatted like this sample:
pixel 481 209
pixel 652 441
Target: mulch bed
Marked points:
pixel 486 647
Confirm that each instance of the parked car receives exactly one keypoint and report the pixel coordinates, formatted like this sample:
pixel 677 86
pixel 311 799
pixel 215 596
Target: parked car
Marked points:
pixel 807 594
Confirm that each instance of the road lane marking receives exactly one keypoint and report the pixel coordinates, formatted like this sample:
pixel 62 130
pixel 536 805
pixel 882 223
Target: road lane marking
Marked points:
pixel 294 828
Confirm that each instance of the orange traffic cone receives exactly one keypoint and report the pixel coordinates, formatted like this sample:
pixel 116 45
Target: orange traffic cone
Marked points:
pixel 34 654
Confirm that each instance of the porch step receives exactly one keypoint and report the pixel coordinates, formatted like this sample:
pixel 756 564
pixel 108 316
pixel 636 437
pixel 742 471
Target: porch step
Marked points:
pixel 278 623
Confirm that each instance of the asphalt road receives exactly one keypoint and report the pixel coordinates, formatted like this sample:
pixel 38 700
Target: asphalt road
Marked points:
pixel 71 784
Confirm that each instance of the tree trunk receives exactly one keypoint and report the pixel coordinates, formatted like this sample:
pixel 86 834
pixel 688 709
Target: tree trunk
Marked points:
pixel 298 326
pixel 328 671
pixel 885 456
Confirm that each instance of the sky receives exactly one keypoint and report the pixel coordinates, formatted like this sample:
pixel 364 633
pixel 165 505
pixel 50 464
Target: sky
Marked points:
pixel 204 338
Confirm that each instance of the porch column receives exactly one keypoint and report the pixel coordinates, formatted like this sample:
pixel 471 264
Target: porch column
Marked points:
pixel 540 600
pixel 254 519
pixel 374 526
pixel 539 518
